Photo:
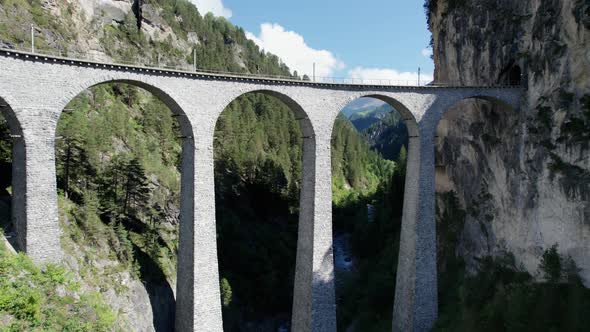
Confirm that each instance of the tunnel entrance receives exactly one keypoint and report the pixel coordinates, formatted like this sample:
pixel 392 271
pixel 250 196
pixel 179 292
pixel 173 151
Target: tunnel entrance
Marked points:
pixel 515 76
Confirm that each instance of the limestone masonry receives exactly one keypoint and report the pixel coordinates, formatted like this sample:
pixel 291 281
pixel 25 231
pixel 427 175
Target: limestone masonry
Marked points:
pixel 34 89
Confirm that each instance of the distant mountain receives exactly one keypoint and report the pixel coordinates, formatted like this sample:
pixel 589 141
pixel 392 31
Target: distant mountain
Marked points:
pixel 361 104
pixel 379 124
pixel 365 118
pixel 387 136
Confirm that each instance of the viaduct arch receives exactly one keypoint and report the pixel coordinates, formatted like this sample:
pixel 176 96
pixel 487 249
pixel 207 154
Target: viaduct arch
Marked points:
pixel 38 87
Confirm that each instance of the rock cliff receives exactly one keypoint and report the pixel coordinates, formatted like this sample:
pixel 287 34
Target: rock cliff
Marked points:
pixel 523 175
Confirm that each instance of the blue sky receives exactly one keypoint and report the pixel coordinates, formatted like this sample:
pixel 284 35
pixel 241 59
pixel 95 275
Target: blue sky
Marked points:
pixel 381 39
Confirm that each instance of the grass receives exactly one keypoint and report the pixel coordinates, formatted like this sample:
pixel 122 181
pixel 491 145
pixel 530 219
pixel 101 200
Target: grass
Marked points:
pixel 34 298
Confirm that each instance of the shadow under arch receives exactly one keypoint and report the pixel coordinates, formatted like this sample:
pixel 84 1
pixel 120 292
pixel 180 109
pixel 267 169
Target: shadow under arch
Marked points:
pixel 490 120
pixel 409 181
pixel 302 278
pixel 16 177
pixel 162 297
pixel 503 103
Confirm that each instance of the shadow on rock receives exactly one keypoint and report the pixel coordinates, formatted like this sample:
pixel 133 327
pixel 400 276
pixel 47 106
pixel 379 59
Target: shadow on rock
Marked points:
pixel 159 290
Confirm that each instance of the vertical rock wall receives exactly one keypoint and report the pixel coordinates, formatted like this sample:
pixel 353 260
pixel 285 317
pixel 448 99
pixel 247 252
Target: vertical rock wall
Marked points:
pixel 523 177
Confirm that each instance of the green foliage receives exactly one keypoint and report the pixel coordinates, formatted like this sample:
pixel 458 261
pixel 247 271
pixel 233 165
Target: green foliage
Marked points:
pixel 430 6
pixel 5 143
pixel 258 150
pixel 451 221
pixel 550 265
pixel 545 117
pixel 123 246
pixel 388 136
pixel 364 296
pixel 116 141
pixel 226 295
pixel 576 130
pixel 219 42
pixel 124 189
pixel 16 20
pixel 574 180
pixel 501 297
pixel 32 299
pixel 356 170
pixel 5 157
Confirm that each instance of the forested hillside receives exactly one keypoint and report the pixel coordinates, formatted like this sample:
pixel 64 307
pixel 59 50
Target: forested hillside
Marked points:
pixel 365 118
pixel 389 136
pixel 380 125
pixel 118 155
pixel 354 165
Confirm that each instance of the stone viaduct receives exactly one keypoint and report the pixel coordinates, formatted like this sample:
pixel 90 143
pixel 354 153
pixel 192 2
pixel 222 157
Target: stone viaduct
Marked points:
pixel 34 89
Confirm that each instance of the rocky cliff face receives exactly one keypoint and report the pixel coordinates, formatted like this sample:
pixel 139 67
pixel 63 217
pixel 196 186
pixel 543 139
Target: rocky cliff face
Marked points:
pixel 523 176
pixel 107 30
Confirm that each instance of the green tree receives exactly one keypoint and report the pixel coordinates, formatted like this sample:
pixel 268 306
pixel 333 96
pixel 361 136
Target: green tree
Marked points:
pixel 226 293
pixel 551 265
pixel 402 159
pixel 136 188
pixel 125 246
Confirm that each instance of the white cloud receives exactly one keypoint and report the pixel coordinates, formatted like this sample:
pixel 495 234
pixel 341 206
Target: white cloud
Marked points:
pixel 294 51
pixel 427 52
pixel 364 102
pixel 214 6
pixel 386 76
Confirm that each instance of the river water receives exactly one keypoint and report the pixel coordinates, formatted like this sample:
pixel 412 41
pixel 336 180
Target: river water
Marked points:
pixel 343 261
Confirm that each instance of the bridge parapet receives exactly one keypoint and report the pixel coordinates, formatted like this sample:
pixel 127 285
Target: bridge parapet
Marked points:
pixel 86 60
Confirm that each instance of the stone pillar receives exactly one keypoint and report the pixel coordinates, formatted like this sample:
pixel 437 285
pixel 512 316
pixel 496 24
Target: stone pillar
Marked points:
pixel 34 186
pixel 314 307
pixel 198 299
pixel 416 300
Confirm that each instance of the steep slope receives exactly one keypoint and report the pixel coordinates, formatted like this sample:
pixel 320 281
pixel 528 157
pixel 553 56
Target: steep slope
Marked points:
pixel 47 299
pixel 529 170
pixel 164 33
pixel 361 104
pixel 388 136
pixel 366 117
pixel 356 169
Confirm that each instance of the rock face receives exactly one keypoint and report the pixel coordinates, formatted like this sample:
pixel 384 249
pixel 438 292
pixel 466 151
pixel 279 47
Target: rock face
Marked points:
pixel 523 177
pixel 107 9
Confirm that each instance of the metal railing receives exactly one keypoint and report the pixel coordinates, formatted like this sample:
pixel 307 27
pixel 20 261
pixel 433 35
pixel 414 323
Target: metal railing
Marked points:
pixel 185 67
pixel 158 64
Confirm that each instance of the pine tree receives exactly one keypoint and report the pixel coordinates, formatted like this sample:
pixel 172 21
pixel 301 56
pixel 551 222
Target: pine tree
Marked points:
pixel 402 160
pixel 125 250
pixel 136 189
pixel 226 293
